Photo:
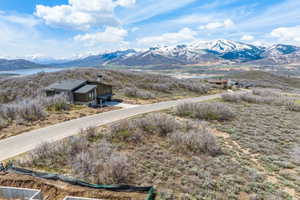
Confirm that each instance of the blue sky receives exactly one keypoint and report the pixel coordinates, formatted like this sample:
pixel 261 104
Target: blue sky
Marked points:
pixel 68 28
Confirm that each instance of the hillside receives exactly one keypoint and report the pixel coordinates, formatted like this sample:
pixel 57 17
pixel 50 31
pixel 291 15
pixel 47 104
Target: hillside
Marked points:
pixel 6 65
pixel 216 150
pixel 128 85
pixel 266 79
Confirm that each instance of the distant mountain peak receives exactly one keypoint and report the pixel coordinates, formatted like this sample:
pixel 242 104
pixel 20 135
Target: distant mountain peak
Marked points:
pixel 220 45
pixel 197 52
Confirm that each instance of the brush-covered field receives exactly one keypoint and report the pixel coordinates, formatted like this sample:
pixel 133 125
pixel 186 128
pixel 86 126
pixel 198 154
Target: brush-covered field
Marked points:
pixel 237 147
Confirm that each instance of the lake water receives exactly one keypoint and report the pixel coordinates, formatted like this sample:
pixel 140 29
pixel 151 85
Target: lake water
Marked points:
pixel 24 72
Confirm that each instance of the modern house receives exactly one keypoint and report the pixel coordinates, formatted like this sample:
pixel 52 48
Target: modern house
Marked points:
pixel 82 91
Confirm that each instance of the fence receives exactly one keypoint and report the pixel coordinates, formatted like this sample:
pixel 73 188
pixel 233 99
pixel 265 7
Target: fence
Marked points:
pixel 118 188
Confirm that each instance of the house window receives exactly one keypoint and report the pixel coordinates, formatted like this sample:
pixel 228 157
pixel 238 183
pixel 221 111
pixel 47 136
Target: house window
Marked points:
pixel 92 95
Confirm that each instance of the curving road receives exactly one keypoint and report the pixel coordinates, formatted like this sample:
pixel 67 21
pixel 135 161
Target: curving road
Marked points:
pixel 27 141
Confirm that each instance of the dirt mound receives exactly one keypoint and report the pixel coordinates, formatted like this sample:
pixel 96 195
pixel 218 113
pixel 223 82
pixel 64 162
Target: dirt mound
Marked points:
pixel 57 190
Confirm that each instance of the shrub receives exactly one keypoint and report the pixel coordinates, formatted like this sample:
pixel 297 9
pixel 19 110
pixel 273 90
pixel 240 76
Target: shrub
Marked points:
pixel 162 124
pixel 9 112
pixel 76 144
pixel 3 123
pixel 266 92
pixel 207 111
pixel 116 169
pixel 236 98
pixel 124 131
pixel 98 163
pixel 196 141
pixel 250 98
pixel 277 100
pixel 90 132
pixel 292 106
pixel 137 93
pixel 102 165
pixel 295 154
pixel 56 103
pixel 165 87
pixel 185 109
pixel 51 155
pixel 31 111
pixel 133 130
pixel 195 86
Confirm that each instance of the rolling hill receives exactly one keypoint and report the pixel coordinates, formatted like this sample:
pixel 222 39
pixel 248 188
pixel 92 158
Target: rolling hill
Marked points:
pixel 6 65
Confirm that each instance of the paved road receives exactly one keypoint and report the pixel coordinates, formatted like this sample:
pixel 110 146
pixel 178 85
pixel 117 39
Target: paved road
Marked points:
pixel 24 142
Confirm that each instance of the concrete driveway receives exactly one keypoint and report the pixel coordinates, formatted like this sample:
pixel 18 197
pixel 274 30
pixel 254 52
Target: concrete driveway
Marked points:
pixel 120 104
pixel 24 142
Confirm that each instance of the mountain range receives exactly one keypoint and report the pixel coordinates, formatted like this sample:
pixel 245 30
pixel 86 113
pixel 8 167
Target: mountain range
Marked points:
pixel 198 52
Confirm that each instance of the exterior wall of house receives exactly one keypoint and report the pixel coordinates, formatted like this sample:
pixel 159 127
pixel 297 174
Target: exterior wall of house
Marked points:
pixel 103 89
pixel 85 98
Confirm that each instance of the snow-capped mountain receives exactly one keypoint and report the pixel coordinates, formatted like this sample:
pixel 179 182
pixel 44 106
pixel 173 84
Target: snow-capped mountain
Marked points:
pixel 280 54
pixel 96 60
pixel 220 46
pixel 198 52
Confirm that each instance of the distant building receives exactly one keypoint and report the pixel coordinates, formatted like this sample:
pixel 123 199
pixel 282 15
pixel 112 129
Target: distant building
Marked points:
pixel 82 91
pixel 224 83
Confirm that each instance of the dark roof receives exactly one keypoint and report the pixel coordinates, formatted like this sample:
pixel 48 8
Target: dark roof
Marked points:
pixel 218 81
pixel 85 89
pixel 98 83
pixel 66 85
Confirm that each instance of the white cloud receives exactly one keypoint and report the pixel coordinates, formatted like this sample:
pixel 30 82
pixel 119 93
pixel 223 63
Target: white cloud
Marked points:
pixel 184 35
pixel 82 14
pixel 247 37
pixel 145 9
pixel 125 3
pixel 135 29
pixel 92 5
pixel 110 35
pixel 23 20
pixel 287 33
pixel 228 23
pixel 191 19
pixel 279 14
